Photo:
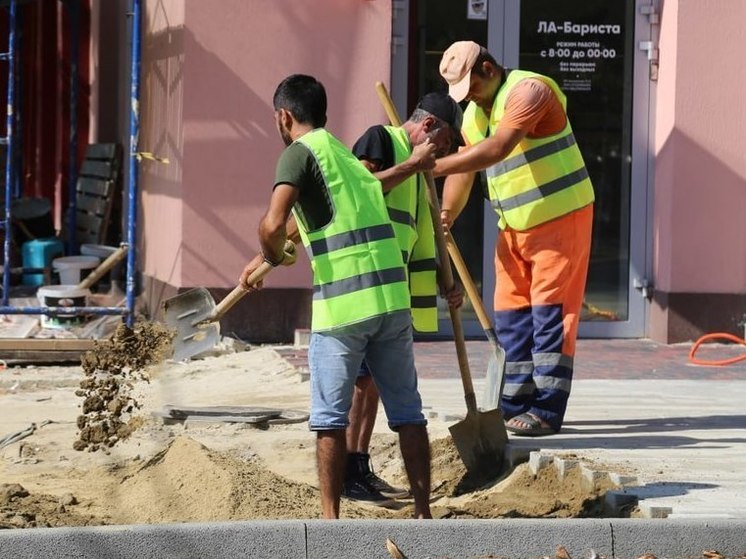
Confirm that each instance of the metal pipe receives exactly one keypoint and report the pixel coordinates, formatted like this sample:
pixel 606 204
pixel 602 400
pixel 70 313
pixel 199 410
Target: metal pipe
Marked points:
pixel 53 311
pixel 18 144
pixel 59 120
pixel 9 150
pixel 72 242
pixel 132 182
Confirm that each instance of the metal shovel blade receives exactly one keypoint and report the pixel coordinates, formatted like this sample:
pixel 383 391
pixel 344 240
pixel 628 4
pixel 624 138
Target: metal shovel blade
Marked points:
pixel 494 380
pixel 185 313
pixel 480 439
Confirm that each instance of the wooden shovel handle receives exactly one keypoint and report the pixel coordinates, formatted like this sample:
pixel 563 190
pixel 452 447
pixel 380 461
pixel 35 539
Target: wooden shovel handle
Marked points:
pixel 472 292
pixel 388 104
pixel 448 283
pixel 104 267
pixel 445 264
pixel 238 292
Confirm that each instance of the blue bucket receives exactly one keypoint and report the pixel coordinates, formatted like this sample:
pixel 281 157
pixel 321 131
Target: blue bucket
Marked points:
pixel 39 253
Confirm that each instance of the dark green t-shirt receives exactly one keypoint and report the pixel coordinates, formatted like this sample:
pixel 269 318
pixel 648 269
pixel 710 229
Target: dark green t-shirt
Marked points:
pixel 298 167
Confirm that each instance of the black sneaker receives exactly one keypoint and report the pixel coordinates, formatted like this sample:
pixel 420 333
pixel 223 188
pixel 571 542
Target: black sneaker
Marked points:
pixel 384 488
pixel 359 490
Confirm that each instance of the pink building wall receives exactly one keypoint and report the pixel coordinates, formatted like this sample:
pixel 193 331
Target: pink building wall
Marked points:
pixel 161 133
pixel 209 72
pixel 699 228
pixel 700 182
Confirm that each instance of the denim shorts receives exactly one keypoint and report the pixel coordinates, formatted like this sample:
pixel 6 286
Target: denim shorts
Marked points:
pixel 335 357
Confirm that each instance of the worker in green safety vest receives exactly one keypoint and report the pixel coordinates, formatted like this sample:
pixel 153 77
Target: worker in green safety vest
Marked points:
pixel 397 155
pixel 361 301
pixel 517 131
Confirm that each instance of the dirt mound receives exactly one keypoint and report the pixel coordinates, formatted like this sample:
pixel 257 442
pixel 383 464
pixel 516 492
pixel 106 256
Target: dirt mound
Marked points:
pixel 188 482
pixel 110 371
pixel 21 509
pixel 520 495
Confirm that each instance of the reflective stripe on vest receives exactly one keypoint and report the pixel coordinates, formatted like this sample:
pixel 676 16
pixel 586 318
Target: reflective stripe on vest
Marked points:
pixel 413 226
pixel 358 272
pixel 542 178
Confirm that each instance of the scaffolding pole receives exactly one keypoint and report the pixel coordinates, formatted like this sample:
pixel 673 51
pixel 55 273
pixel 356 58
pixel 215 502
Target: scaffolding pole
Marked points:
pixel 8 140
pixel 132 178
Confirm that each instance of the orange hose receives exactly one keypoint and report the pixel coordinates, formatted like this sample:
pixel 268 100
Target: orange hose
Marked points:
pixel 716 336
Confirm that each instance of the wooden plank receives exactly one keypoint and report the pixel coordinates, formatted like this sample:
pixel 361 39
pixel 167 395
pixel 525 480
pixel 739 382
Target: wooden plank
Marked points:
pixel 38 344
pixel 34 356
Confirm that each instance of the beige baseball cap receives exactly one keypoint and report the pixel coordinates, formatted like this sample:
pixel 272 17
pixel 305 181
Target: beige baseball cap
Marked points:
pixel 456 65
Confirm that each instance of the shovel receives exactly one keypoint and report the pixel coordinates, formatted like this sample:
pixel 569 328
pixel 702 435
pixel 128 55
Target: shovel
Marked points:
pixel 496 369
pixel 480 438
pixel 195 316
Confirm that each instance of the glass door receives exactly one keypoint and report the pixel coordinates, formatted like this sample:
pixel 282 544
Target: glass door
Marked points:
pixel 591 50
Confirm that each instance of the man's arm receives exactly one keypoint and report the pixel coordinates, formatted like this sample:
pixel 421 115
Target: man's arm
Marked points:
pixel 273 226
pixel 531 108
pixel 421 159
pixel 375 150
pixel 456 190
pixel 273 231
pixel 480 156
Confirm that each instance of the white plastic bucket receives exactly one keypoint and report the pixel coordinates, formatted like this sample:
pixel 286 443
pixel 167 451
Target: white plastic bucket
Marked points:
pixel 62 296
pixel 72 269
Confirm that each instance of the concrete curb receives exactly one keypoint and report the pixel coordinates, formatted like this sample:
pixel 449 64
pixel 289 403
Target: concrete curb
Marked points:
pixel 317 539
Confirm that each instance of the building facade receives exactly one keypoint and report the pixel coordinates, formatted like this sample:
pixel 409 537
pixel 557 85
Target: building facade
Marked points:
pixel 653 91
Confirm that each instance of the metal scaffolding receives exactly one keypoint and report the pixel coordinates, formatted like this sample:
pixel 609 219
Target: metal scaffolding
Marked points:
pixel 12 162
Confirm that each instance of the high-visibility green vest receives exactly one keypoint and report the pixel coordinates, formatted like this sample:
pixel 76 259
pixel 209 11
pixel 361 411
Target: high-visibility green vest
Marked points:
pixel 413 226
pixel 542 178
pixel 358 271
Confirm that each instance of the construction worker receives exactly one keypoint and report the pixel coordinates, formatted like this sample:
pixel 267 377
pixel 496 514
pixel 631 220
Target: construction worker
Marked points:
pixel 360 307
pixel 516 128
pixel 394 156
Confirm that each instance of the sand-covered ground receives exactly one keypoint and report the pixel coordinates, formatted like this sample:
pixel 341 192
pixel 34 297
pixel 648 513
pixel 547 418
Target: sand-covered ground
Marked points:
pixel 147 470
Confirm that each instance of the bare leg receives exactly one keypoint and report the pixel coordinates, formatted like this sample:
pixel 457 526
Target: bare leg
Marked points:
pixel 331 456
pixel 362 415
pixel 415 449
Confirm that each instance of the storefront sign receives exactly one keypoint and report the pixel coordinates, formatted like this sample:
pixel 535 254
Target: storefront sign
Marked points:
pixel 577 52
pixel 476 9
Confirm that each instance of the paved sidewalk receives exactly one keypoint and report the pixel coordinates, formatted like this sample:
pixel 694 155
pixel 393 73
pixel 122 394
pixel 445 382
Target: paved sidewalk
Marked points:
pixel 637 407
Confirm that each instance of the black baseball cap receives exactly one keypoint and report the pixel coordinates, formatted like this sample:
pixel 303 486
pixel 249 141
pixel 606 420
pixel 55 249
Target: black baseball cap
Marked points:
pixel 441 105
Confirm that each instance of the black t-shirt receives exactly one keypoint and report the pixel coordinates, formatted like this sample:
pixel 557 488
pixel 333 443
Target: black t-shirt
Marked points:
pixel 298 167
pixel 376 145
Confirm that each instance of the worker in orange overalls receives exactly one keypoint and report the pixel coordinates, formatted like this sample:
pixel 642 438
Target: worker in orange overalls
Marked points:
pixel 516 129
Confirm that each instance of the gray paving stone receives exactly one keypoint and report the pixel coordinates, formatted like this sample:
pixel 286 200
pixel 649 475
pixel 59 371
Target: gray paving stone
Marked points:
pixel 173 541
pixel 457 539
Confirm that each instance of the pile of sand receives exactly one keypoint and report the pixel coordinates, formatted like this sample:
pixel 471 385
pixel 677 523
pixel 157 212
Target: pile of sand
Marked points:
pixel 187 482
